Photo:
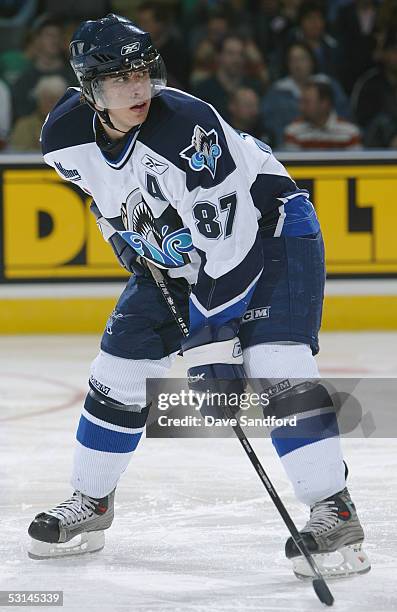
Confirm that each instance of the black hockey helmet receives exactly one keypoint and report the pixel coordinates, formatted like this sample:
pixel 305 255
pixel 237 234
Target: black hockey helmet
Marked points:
pixel 109 48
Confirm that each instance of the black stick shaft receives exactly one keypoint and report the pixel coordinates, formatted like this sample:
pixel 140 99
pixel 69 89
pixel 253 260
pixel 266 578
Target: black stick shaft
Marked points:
pixel 162 285
pixel 245 443
pixel 323 593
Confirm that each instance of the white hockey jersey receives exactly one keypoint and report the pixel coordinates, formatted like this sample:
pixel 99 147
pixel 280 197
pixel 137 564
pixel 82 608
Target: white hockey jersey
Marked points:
pixel 187 192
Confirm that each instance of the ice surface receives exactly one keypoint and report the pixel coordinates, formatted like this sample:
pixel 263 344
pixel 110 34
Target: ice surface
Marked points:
pixel 194 529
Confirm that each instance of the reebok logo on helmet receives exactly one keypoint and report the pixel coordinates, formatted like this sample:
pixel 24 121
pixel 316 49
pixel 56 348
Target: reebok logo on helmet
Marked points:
pixel 130 48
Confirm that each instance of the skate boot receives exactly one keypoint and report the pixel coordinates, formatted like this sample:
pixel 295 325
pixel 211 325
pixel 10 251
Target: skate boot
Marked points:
pixel 73 527
pixel 334 536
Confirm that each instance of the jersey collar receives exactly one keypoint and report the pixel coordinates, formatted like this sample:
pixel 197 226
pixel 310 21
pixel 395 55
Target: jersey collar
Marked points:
pixel 116 154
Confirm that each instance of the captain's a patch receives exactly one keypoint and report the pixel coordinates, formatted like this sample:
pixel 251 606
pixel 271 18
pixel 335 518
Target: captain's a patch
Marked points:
pixel 204 151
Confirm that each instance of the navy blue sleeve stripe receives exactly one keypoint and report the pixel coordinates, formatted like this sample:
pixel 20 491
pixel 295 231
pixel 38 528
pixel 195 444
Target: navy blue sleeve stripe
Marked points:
pixel 266 190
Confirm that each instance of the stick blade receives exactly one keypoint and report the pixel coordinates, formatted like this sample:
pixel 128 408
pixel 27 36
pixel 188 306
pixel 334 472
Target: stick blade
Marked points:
pixel 323 592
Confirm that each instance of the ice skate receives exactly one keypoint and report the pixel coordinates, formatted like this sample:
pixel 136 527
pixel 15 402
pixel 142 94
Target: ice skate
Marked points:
pixel 334 536
pixel 73 527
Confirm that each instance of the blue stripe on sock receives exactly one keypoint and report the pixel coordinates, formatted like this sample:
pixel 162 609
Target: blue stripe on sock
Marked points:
pixel 307 431
pixel 102 439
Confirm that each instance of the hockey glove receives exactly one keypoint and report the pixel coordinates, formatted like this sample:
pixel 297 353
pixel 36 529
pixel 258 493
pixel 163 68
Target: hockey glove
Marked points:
pixel 215 369
pixel 126 255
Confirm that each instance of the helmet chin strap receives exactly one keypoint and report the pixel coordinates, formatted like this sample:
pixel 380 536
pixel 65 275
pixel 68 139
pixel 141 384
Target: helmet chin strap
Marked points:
pixel 104 115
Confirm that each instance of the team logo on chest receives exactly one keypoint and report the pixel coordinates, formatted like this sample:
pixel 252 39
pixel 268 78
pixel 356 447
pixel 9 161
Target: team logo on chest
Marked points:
pixel 155 239
pixel 204 151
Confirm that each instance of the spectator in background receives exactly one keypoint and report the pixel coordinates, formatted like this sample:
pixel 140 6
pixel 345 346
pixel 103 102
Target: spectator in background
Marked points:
pixel 126 8
pixel 156 19
pixel 393 141
pixel 319 126
pixel 15 15
pixel 271 24
pixel 14 62
pixel 77 9
pixel 386 17
pixel 238 12
pixel 48 60
pixel 204 43
pixel 26 133
pixel 334 7
pixel 355 30
pixel 382 132
pixel 245 115
pixel 5 114
pixel 208 13
pixel 290 9
pixel 239 64
pixel 11 9
pixel 376 91
pixel 312 30
pixel 281 104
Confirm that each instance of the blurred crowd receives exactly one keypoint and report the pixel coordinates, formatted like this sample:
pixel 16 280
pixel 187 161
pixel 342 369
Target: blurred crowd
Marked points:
pixel 297 74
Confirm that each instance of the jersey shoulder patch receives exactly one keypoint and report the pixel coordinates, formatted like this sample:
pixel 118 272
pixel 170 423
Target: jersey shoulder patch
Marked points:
pixel 69 124
pixel 187 132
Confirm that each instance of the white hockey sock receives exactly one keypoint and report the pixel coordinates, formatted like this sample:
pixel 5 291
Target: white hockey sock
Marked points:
pixel 107 437
pixel 316 470
pixel 313 461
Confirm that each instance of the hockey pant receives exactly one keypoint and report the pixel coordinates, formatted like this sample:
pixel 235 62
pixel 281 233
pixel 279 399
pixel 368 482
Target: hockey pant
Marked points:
pixel 279 336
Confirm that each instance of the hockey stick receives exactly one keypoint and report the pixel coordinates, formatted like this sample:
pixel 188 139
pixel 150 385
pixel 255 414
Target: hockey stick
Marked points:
pixel 319 585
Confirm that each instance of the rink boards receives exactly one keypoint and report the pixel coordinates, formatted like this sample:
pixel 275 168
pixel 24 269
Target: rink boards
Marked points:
pixel 58 275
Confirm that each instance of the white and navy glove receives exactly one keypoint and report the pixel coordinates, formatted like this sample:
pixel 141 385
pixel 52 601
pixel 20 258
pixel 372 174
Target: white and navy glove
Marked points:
pixel 126 255
pixel 215 366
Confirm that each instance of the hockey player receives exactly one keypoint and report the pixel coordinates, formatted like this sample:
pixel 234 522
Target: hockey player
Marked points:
pixel 172 183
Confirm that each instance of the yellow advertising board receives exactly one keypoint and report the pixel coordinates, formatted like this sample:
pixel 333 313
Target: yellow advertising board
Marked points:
pixel 49 232
pixel 49 235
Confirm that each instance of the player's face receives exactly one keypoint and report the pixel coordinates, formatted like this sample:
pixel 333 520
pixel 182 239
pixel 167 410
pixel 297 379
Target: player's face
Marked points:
pixel 126 118
pixel 126 96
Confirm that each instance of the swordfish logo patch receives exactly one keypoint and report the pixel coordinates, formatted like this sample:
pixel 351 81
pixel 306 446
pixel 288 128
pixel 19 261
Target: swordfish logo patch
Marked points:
pixel 204 151
pixel 156 239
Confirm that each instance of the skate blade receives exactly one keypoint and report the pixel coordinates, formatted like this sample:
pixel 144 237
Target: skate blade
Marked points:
pixel 90 541
pixel 345 562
